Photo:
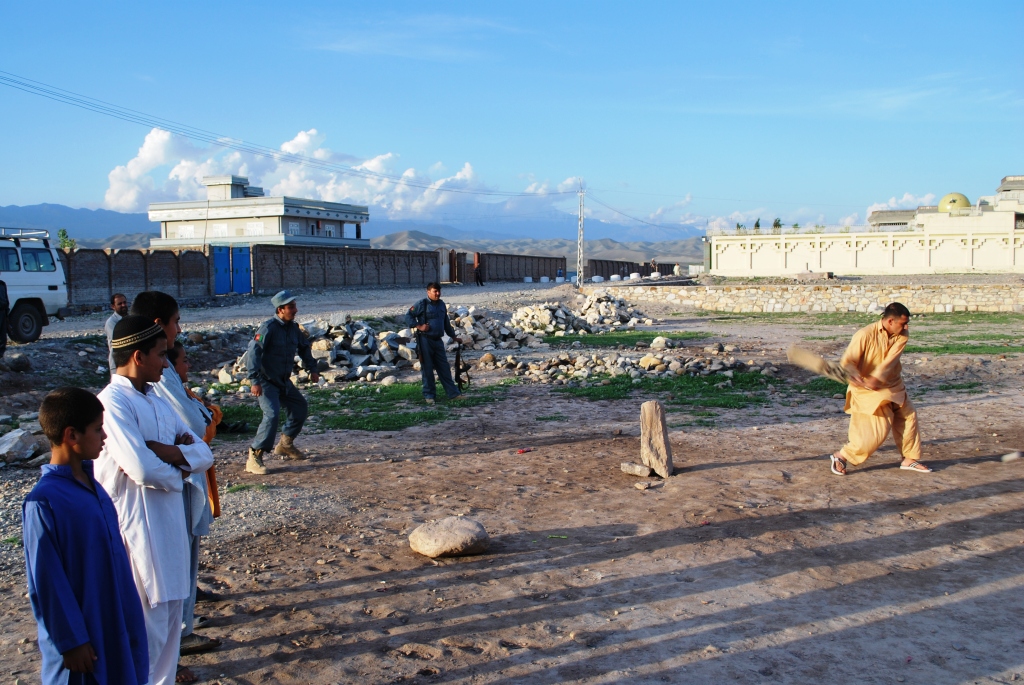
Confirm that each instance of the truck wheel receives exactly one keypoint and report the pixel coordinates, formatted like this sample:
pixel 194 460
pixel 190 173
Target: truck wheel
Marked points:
pixel 25 324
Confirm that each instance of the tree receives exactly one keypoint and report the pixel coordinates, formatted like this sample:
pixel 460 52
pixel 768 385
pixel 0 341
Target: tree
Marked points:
pixel 740 229
pixel 777 226
pixel 757 226
pixel 795 228
pixel 64 241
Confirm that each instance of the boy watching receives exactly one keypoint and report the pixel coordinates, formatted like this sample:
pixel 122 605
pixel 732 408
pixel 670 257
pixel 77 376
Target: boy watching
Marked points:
pixel 91 627
pixel 148 455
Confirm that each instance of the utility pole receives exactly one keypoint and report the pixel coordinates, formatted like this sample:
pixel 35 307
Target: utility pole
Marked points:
pixel 579 242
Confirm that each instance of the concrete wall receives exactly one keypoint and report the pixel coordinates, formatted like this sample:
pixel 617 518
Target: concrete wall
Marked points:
pixel 276 267
pixel 508 267
pixel 910 252
pixel 829 298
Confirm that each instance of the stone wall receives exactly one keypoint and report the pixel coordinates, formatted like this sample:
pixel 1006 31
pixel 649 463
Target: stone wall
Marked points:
pixel 829 298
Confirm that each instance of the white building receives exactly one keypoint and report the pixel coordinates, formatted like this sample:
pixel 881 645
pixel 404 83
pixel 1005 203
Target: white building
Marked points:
pixel 951 237
pixel 236 213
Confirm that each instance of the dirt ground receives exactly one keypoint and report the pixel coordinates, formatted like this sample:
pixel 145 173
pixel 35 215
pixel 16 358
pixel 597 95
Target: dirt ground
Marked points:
pixel 752 563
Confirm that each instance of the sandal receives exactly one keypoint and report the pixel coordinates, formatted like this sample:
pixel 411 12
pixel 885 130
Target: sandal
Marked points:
pixel 838 465
pixel 915 466
pixel 185 675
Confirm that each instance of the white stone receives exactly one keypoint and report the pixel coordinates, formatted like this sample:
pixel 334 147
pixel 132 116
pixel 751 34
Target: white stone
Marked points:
pixel 18 445
pixel 225 377
pixel 449 537
pixel 635 469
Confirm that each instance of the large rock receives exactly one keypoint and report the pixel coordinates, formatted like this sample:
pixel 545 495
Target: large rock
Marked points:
pixel 655 450
pixel 635 469
pixel 224 377
pixel 450 537
pixel 18 445
pixel 19 363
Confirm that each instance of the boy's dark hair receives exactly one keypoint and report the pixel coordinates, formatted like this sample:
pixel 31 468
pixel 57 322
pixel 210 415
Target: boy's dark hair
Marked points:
pixel 174 351
pixel 68 406
pixel 134 325
pixel 117 295
pixel 154 305
pixel 432 285
pixel 895 310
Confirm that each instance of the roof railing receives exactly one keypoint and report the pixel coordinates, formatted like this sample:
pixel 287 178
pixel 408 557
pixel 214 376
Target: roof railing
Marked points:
pixel 26 233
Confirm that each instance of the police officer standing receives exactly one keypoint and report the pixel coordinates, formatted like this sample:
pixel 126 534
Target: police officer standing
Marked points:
pixel 270 359
pixel 429 317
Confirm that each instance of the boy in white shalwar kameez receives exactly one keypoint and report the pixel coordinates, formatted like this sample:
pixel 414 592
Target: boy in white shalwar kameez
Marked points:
pixel 148 453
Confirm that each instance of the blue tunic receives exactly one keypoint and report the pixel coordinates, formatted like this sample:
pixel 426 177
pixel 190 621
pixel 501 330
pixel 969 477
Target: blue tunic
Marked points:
pixel 80 582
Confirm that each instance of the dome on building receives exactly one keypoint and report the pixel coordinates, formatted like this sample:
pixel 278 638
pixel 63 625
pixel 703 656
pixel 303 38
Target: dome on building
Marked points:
pixel 953 201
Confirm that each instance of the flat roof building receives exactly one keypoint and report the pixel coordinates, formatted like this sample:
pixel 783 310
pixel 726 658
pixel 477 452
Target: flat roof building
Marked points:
pixel 236 213
pixel 1002 211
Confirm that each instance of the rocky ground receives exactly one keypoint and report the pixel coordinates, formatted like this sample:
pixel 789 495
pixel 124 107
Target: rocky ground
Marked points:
pixel 752 563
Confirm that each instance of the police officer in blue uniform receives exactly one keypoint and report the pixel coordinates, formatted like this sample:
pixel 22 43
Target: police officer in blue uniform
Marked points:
pixel 429 317
pixel 270 360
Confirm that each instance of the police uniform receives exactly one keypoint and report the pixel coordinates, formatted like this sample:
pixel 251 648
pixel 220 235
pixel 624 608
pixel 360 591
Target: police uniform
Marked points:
pixel 433 357
pixel 270 359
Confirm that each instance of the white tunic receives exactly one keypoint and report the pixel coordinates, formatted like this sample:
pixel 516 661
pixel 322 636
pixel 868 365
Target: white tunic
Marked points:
pixel 145 490
pixel 108 329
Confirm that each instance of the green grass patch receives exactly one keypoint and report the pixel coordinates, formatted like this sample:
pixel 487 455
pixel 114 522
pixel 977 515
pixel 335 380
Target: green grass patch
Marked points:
pixel 13 540
pixel 627 338
pixel 822 337
pixel 968 385
pixel 552 417
pixel 825 387
pixel 242 487
pixel 370 407
pixel 964 348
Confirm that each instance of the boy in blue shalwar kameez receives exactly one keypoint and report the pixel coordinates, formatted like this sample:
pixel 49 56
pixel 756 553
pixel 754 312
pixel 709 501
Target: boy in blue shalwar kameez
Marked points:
pixel 91 626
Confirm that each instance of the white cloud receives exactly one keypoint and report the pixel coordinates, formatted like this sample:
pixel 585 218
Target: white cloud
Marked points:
pixel 908 201
pixel 169 168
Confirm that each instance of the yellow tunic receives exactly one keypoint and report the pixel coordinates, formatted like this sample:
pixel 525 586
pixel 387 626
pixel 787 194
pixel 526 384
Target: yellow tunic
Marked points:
pixel 874 413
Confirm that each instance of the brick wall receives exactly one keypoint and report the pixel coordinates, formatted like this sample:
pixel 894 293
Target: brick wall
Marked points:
pixel 94 275
pixel 507 267
pixel 276 267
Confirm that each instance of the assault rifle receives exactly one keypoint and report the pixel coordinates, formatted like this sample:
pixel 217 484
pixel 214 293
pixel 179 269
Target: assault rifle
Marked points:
pixel 461 369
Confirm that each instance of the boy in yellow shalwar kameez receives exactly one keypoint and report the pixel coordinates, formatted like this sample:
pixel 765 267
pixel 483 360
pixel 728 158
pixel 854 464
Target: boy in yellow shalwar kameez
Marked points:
pixel 876 398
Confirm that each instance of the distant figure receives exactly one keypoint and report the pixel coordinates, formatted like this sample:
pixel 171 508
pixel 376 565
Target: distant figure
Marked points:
pixel 429 317
pixel 654 265
pixel 560 273
pixel 677 270
pixel 478 272
pixel 119 303
pixel 876 398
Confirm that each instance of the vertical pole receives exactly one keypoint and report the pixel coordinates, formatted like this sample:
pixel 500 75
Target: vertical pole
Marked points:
pixel 579 242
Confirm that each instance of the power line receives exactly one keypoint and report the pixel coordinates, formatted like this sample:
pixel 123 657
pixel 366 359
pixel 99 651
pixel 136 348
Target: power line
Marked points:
pixel 725 199
pixel 202 135
pixel 629 216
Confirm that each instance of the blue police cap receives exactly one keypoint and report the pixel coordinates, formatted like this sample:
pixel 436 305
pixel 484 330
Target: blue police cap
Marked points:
pixel 282 298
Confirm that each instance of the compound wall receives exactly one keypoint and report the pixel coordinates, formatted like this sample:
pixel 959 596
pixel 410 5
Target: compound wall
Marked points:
pixel 277 267
pixel 510 267
pixel 94 275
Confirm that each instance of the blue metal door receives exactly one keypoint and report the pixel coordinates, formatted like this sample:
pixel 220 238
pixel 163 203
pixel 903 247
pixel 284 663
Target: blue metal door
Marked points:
pixel 241 271
pixel 221 269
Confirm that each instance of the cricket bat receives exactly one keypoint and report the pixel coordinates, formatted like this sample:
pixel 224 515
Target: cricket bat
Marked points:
pixel 817 364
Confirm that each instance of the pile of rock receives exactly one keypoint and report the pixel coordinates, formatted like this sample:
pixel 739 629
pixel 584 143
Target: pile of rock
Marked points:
pixel 478 330
pixel 345 350
pixel 597 313
pixel 572 367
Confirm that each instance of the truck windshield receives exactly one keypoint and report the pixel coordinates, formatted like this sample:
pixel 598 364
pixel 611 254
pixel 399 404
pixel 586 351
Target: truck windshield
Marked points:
pixel 38 260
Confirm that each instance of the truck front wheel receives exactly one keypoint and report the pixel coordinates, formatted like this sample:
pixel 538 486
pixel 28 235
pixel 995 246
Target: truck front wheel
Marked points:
pixel 25 324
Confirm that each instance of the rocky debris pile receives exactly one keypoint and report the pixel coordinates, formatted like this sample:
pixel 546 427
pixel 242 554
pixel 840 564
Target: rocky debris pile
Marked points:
pixel 449 537
pixel 480 331
pixel 596 313
pixel 345 350
pixel 568 367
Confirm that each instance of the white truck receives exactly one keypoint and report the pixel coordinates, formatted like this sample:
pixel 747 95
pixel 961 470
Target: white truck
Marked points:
pixel 37 286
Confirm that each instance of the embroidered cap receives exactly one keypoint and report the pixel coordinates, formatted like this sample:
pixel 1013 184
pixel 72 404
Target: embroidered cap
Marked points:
pixel 132 330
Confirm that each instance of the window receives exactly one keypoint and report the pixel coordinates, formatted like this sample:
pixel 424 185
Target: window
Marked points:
pixel 254 228
pixel 9 259
pixel 187 231
pixel 294 228
pixel 38 260
pixel 329 230
pixel 220 231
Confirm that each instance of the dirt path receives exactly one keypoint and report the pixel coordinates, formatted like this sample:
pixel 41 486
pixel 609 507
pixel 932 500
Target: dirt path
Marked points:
pixel 751 564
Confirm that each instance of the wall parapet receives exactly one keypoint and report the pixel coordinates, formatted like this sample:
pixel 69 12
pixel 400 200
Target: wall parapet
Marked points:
pixel 831 298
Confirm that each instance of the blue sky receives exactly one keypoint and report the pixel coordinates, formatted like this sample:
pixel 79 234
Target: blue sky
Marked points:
pixel 677 113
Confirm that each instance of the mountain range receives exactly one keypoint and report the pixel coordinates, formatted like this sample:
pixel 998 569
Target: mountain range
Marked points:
pixel 554 236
